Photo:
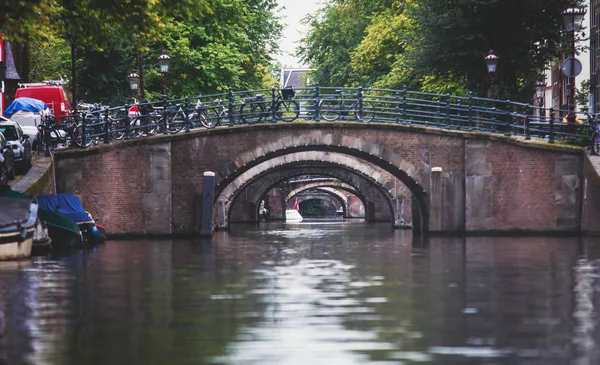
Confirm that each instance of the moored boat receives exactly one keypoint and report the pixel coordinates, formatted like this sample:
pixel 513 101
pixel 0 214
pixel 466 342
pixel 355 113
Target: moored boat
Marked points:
pixel 17 221
pixel 63 232
pixel 292 215
pixel 69 206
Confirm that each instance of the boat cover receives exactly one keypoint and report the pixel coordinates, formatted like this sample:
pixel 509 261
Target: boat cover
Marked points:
pixel 67 205
pixel 15 213
pixel 25 104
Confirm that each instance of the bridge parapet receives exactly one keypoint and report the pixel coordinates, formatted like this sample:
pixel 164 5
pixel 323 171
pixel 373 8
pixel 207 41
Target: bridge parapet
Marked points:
pixel 319 104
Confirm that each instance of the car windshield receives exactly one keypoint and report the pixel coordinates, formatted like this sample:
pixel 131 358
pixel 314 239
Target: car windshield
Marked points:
pixel 10 132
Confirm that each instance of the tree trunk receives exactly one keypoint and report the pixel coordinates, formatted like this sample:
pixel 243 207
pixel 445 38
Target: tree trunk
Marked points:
pixel 73 77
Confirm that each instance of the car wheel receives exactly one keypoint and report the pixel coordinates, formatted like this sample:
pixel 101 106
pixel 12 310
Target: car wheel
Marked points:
pixel 11 173
pixel 3 175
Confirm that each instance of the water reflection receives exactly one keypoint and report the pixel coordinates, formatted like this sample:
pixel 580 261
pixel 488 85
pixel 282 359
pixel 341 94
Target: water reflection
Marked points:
pixel 333 293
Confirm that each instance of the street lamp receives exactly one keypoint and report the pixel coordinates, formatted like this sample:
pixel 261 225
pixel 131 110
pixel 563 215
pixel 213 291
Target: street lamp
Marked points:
pixel 163 66
pixel 134 81
pixel 573 19
pixel 540 89
pixel 491 61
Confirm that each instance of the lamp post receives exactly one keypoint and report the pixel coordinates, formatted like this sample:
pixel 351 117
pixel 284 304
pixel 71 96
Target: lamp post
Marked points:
pixel 491 61
pixel 134 81
pixel 573 19
pixel 540 89
pixel 163 66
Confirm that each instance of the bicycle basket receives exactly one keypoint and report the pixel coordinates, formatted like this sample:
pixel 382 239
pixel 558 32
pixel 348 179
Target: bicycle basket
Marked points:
pixel 288 92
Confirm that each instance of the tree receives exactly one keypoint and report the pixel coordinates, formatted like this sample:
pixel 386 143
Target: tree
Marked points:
pixel 334 32
pixel 457 34
pixel 230 46
pixel 19 19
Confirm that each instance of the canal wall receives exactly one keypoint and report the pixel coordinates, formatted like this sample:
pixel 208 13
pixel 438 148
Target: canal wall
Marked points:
pixel 590 222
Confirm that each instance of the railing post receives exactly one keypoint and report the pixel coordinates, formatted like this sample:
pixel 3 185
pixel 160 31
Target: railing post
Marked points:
pixel 552 116
pixel 317 103
pixel 508 120
pixel 164 118
pixel 273 105
pixel 397 111
pixel 404 121
pixel 83 130
pixel 528 108
pixel 185 113
pixel 494 119
pixel 447 110
pixel 438 114
pixel 458 114
pixel 470 111
pixel 127 122
pixel 231 100
pixel 359 98
pixel 104 115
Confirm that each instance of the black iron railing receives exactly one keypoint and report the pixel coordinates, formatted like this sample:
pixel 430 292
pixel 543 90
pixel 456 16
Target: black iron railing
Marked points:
pixel 325 104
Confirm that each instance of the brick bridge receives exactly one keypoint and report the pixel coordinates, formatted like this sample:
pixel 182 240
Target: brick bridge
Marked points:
pixel 448 180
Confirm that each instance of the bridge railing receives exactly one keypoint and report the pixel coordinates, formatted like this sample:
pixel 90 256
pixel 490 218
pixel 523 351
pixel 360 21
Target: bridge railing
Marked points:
pixel 325 104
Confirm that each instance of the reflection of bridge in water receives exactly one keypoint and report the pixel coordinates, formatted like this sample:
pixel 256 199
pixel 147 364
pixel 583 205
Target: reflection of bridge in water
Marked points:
pixel 441 163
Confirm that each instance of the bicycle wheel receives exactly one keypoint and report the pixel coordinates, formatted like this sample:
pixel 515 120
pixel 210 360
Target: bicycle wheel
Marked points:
pixel 76 135
pixel 117 132
pixel 42 144
pixel 209 118
pixel 135 127
pixel 176 122
pixel 287 110
pixel 330 109
pixel 367 114
pixel 596 144
pixel 252 112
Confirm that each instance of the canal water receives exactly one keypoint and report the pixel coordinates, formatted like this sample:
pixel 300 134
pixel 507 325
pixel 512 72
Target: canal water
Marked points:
pixel 307 293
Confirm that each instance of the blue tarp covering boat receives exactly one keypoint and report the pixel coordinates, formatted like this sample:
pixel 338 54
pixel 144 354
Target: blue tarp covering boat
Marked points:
pixel 67 205
pixel 25 104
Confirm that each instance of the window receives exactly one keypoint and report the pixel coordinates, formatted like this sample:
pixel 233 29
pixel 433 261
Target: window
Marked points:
pixel 9 132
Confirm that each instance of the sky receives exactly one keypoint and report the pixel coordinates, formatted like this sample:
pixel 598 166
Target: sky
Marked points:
pixel 293 12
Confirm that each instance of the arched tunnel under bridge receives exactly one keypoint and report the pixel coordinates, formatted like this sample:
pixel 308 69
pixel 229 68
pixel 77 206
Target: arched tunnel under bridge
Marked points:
pixel 385 198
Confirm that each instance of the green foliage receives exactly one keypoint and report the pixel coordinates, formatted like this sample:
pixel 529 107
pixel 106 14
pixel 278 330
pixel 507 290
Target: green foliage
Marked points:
pixel 456 36
pixel 435 45
pixel 214 44
pixel 582 95
pixel 49 57
pixel 19 19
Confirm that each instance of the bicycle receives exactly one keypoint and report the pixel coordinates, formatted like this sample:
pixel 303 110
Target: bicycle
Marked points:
pixel 332 108
pixel 594 140
pixel 51 134
pixel 254 109
pixel 202 114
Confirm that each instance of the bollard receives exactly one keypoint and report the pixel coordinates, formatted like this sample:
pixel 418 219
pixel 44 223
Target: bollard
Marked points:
pixel 208 195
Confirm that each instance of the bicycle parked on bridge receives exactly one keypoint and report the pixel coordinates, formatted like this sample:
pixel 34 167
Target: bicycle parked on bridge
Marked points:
pixel 254 109
pixel 51 134
pixel 333 107
pixel 594 140
pixel 208 117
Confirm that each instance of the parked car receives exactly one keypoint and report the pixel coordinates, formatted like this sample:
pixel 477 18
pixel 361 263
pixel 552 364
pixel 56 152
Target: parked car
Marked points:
pixel 20 144
pixel 7 166
pixel 28 113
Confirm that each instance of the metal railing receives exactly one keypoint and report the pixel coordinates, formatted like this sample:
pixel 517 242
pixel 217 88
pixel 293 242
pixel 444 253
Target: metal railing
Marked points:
pixel 323 104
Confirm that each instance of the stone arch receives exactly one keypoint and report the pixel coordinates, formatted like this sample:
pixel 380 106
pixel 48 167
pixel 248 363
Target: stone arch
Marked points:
pixel 362 188
pixel 318 184
pixel 355 178
pixel 331 199
pixel 315 144
pixel 384 183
